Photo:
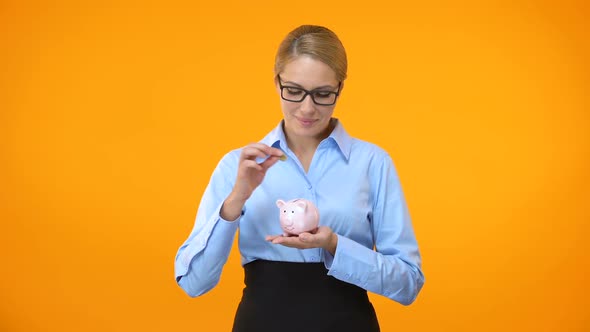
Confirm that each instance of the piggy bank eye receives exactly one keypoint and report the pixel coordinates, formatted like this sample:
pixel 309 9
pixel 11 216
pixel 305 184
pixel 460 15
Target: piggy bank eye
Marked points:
pixel 292 211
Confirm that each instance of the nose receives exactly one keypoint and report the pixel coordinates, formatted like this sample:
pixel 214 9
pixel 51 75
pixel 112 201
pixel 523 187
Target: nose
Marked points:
pixel 307 105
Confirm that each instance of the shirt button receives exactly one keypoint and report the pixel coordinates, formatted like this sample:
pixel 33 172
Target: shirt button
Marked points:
pixel 313 258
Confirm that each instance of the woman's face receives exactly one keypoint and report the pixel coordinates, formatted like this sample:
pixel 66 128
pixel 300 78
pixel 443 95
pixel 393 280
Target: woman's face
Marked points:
pixel 306 119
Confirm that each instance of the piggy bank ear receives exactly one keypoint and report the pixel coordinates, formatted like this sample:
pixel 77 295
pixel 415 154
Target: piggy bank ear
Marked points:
pixel 302 205
pixel 280 203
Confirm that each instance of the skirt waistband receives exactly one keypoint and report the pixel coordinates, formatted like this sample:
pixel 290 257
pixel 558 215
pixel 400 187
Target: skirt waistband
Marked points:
pixel 297 278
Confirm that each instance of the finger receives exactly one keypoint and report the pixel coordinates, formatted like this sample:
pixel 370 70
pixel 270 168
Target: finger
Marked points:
pixel 277 152
pixel 292 241
pixel 316 237
pixel 271 237
pixel 277 240
pixel 252 164
pixel 268 150
pixel 269 162
pixel 250 152
pixel 289 240
pixel 307 237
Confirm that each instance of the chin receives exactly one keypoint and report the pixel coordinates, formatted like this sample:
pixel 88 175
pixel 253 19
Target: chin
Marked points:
pixel 314 130
pixel 308 132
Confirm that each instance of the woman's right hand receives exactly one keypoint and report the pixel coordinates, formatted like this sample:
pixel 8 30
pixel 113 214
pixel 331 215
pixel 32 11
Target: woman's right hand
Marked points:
pixel 250 176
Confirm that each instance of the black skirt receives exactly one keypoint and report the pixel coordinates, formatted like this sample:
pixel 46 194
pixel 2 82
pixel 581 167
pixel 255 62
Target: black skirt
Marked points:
pixel 284 296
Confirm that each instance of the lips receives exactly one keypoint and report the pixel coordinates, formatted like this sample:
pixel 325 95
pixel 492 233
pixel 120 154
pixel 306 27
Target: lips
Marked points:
pixel 306 122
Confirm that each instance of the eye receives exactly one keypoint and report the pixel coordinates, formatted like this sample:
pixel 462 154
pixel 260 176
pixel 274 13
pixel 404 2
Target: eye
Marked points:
pixel 293 91
pixel 285 211
pixel 292 211
pixel 322 94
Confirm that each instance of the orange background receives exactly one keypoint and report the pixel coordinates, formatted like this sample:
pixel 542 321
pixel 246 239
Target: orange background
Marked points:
pixel 113 116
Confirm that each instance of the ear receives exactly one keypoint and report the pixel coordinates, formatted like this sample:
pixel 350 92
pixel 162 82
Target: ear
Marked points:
pixel 280 203
pixel 301 204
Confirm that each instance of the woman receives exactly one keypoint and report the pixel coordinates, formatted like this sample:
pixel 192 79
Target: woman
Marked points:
pixel 317 281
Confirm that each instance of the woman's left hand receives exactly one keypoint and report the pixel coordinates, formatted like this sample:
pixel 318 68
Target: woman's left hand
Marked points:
pixel 323 238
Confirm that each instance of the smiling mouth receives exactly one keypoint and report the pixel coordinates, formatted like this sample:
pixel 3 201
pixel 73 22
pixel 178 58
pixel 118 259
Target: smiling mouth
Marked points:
pixel 306 122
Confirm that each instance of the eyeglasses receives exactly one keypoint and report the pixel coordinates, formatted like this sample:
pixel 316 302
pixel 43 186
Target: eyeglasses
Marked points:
pixel 319 96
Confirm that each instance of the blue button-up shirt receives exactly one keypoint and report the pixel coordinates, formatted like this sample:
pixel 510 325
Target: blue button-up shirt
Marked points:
pixel 357 191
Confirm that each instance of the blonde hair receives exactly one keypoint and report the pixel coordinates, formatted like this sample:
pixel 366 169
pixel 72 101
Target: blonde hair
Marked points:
pixel 317 42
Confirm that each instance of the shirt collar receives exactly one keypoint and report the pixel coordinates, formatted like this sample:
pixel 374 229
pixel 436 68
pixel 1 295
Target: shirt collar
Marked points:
pixel 276 138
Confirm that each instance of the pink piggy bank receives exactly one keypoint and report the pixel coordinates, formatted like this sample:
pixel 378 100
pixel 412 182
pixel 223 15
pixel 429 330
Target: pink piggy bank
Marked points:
pixel 297 216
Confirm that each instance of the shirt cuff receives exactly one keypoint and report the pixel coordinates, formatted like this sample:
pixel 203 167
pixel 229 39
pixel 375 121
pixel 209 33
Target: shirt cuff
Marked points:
pixel 350 262
pixel 218 227
pixel 231 221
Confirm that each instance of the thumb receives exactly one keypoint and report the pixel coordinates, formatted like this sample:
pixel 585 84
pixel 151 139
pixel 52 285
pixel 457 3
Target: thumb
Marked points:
pixel 306 237
pixel 269 162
